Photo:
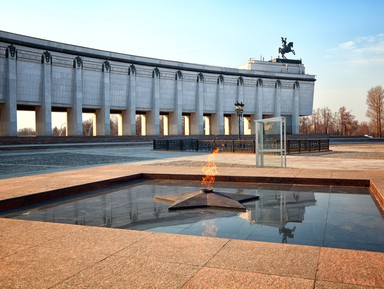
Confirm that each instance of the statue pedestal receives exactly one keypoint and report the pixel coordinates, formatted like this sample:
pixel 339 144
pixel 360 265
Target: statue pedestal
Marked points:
pixel 285 60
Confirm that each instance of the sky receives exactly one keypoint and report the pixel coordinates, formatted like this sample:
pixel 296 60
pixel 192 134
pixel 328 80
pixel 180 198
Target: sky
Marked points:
pixel 339 41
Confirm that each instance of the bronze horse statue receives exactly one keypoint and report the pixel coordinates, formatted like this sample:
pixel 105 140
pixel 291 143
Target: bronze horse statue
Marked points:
pixel 286 49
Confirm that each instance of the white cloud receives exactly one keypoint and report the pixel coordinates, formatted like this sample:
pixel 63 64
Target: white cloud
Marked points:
pixel 347 45
pixel 363 50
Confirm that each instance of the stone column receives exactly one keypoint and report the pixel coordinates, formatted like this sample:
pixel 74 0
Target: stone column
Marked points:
pixel 234 117
pixel 129 116
pixel 259 99
pixel 8 111
pixel 176 117
pixel 75 112
pixel 197 122
pixel 102 114
pixel 258 105
pixel 43 112
pixel 277 100
pixel 153 127
pixel 218 117
pixel 295 108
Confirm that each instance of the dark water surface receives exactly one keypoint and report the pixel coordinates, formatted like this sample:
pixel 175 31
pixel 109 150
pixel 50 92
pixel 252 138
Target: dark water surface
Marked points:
pixel 340 217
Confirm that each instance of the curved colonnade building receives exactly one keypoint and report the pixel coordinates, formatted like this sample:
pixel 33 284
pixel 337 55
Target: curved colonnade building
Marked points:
pixel 150 96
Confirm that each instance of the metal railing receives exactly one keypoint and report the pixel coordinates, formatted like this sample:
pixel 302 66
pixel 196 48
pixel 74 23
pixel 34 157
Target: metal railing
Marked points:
pixel 238 146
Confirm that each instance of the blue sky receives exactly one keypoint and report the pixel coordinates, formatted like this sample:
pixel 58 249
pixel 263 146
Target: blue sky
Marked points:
pixel 341 42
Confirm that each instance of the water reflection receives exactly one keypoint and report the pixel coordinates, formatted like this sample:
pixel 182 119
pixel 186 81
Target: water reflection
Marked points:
pixel 135 208
pixel 282 214
pixel 280 208
pixel 210 228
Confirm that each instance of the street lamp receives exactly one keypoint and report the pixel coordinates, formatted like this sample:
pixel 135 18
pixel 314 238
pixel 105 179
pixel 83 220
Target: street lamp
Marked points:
pixel 239 108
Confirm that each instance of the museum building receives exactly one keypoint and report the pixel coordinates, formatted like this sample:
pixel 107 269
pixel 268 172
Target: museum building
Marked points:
pixel 148 96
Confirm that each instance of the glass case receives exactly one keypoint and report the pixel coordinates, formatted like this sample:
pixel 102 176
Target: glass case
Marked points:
pixel 271 142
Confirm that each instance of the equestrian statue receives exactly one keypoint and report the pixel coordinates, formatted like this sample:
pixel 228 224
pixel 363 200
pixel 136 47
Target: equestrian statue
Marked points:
pixel 286 48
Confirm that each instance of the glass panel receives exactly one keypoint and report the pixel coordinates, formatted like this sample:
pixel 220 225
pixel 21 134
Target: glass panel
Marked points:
pixel 271 142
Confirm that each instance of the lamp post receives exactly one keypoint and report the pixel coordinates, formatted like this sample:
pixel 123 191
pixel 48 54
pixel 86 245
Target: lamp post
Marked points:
pixel 239 108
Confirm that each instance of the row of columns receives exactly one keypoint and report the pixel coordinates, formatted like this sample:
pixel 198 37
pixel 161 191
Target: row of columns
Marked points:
pixel 8 115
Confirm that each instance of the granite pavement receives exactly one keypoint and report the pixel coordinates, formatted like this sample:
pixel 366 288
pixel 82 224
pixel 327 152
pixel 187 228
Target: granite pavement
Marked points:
pixel 51 255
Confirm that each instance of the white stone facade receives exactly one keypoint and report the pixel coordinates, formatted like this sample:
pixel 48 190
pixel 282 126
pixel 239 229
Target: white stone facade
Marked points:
pixel 47 76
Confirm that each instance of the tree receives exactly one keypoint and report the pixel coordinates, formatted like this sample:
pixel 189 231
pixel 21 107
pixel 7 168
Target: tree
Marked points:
pixel 27 131
pixel 347 122
pixel 114 126
pixel 375 111
pixel 363 129
pixel 59 131
pixel 327 119
pixel 55 131
pixel 316 120
pixel 305 125
pixel 324 121
pixel 88 127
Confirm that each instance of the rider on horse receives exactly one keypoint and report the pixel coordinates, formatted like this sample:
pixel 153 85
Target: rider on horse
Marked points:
pixel 284 41
pixel 286 48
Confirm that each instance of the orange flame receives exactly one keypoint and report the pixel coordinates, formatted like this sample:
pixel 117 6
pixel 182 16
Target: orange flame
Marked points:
pixel 210 170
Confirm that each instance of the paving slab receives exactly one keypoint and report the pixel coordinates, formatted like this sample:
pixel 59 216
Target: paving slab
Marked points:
pixel 334 285
pixel 192 250
pixel 93 243
pixel 38 268
pixel 123 272
pixel 32 233
pixel 351 267
pixel 268 258
pixel 222 278
pixel 46 255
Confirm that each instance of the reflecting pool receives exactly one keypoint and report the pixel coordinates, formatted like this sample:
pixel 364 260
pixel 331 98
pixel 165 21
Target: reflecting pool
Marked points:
pixel 330 216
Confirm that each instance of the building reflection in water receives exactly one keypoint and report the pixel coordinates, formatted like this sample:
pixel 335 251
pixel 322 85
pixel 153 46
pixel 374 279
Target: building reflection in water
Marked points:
pixel 279 209
pixel 135 208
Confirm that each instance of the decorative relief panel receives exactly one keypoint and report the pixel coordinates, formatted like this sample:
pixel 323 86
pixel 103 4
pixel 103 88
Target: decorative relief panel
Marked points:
pixel 156 73
pixel 46 57
pixel 106 66
pixel 11 51
pixel 132 70
pixel 220 79
pixel 78 62
pixel 200 77
pixel 179 75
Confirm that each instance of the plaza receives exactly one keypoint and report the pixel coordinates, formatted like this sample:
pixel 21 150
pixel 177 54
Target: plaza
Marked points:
pixel 111 77
pixel 154 97
pixel 51 255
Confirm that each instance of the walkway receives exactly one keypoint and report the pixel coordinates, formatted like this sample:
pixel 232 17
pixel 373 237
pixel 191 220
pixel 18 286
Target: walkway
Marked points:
pixel 47 255
pixel 29 161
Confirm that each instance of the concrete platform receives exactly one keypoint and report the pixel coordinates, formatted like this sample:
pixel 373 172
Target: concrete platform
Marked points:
pixel 47 255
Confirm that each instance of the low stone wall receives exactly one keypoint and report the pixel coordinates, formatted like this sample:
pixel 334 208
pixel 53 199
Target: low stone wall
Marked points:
pixel 70 139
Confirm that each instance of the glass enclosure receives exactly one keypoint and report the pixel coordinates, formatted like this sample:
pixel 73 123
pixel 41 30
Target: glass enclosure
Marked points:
pixel 271 142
